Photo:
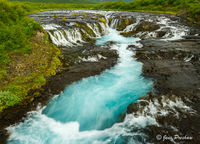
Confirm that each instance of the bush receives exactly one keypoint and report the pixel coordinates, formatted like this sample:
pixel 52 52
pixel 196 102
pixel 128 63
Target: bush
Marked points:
pixel 189 8
pixel 15 28
pixel 8 99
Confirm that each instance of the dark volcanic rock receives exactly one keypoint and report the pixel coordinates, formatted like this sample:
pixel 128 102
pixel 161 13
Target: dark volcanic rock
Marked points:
pixel 175 68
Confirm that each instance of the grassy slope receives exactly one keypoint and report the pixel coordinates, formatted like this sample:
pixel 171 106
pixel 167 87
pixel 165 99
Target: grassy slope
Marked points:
pixel 19 43
pixel 72 1
pixel 190 9
pixel 26 55
pixel 61 1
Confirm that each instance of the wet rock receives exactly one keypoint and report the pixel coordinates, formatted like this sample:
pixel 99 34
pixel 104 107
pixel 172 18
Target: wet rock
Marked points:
pixel 163 32
pixel 191 37
pixel 174 65
pixel 146 26
pixel 110 43
pixel 124 23
pixel 132 108
pixel 3 135
pixel 143 26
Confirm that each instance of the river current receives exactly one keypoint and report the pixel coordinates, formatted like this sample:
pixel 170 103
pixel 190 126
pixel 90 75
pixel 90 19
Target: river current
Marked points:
pixel 90 111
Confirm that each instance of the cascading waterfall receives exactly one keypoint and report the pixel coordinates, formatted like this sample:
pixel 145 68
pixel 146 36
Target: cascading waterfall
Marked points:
pixel 90 111
pixel 87 110
pixel 73 36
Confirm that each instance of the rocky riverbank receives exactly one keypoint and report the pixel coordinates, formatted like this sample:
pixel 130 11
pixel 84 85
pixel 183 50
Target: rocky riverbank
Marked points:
pixel 169 50
pixel 76 65
pixel 175 68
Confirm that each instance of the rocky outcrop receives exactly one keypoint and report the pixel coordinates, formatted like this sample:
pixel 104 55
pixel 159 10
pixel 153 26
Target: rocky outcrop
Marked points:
pixel 174 103
pixel 120 23
pixel 69 29
pixel 142 26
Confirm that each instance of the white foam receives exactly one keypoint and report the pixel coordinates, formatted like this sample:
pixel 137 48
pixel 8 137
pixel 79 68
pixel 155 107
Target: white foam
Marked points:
pixel 51 27
pixel 154 108
pixel 56 132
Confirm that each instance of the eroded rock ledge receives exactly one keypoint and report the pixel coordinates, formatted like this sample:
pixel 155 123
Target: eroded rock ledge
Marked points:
pixel 174 103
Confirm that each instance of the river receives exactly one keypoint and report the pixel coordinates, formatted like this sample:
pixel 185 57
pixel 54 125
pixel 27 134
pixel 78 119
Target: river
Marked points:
pixel 91 110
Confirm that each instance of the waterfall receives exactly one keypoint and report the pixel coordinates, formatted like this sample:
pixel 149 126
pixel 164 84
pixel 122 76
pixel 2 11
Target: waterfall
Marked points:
pixel 90 111
pixel 75 32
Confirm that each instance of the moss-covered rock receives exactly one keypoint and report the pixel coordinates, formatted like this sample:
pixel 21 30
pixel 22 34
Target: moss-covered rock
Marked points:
pixel 143 26
pixel 124 23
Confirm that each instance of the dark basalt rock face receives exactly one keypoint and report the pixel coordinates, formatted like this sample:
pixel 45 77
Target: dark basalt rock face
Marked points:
pixel 175 68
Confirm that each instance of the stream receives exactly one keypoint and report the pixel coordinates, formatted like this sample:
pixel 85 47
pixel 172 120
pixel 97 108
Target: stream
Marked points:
pixel 110 108
pixel 91 110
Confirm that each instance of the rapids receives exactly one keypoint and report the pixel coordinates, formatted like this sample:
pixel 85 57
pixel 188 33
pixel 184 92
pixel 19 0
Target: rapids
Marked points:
pixel 91 110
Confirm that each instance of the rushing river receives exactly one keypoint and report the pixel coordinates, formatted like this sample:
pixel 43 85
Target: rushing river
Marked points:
pixel 90 111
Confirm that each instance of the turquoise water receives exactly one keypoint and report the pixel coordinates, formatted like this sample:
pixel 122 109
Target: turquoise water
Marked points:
pixel 90 110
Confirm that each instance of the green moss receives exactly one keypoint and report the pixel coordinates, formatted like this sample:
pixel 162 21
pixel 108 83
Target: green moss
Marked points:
pixel 146 27
pixel 8 99
pixel 75 14
pixel 64 19
pixel 3 73
pixel 88 30
pixel 84 14
pixel 77 25
pixel 102 19
pixel 127 22
pixel 55 16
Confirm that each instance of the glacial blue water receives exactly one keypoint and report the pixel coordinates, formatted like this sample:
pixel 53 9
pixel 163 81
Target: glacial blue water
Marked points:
pixel 89 111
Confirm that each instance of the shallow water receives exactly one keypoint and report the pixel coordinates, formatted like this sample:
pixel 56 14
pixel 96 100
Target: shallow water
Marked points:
pixel 90 110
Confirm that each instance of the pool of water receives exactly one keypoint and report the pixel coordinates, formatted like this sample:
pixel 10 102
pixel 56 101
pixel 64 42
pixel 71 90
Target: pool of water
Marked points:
pixel 90 110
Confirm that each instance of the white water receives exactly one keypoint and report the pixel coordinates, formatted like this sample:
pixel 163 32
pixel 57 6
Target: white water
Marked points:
pixel 72 36
pixel 87 111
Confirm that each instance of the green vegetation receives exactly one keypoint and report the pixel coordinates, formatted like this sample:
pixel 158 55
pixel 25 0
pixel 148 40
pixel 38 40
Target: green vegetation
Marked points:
pixel 190 9
pixel 72 1
pixel 26 55
pixel 62 1
pixel 15 28
pixel 64 19
pixel 102 20
pixel 8 99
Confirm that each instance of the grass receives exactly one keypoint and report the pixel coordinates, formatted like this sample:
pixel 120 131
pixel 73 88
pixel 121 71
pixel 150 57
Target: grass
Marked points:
pixel 62 1
pixel 190 9
pixel 26 55
pixel 30 7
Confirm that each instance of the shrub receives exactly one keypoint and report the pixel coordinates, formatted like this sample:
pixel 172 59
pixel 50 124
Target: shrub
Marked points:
pixel 8 99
